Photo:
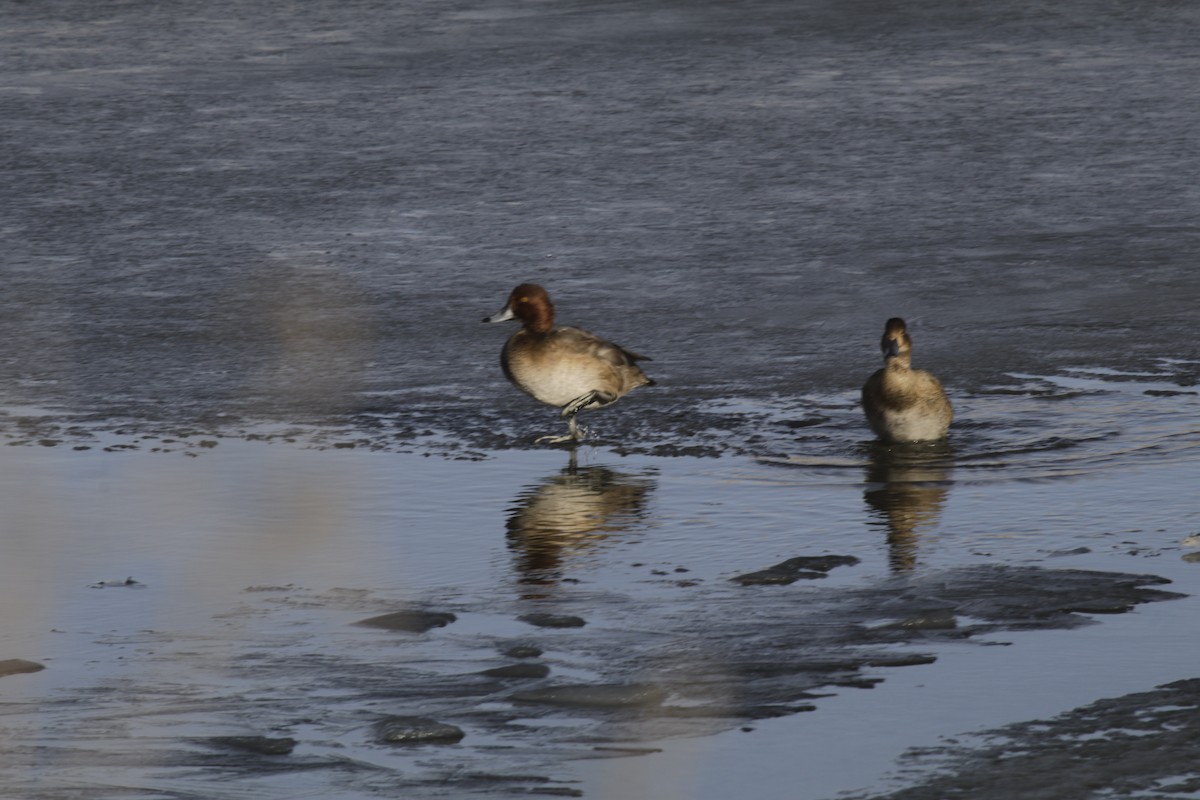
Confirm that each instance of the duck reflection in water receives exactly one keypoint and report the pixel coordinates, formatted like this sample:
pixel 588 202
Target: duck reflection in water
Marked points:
pixel 570 512
pixel 907 485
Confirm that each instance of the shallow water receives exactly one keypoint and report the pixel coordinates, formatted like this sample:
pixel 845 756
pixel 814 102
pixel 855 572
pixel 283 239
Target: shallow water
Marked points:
pixel 253 559
pixel 246 252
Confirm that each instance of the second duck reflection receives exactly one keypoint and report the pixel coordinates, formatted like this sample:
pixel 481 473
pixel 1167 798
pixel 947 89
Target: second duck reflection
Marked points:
pixel 906 487
pixel 572 512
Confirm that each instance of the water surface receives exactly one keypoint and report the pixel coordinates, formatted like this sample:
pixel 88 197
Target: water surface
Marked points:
pixel 246 252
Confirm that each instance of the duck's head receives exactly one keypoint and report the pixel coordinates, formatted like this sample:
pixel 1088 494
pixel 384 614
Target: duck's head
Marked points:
pixel 530 304
pixel 895 341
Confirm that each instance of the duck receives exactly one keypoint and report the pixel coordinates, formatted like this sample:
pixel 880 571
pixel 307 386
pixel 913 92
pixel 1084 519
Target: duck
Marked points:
pixel 903 404
pixel 563 366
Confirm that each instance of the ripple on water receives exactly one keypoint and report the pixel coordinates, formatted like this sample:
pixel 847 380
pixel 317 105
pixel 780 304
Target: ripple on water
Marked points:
pixel 1041 428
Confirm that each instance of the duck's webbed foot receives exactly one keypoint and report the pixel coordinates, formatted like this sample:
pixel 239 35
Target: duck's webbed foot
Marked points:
pixel 576 435
pixel 556 439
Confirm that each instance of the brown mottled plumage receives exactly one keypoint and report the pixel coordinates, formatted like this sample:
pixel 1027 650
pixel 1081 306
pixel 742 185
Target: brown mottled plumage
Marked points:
pixel 903 404
pixel 563 366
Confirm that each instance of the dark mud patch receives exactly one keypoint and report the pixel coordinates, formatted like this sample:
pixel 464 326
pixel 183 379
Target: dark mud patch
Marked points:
pixel 541 620
pixel 518 671
pixel 794 569
pixel 595 696
pixel 416 730
pixel 410 620
pixel 522 651
pixel 259 745
pixel 1144 745
pixel 705 661
pixel 1019 598
pixel 19 666
pixel 128 583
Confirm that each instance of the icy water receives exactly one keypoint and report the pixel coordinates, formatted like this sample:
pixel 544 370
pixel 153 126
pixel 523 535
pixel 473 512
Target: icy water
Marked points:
pixel 246 251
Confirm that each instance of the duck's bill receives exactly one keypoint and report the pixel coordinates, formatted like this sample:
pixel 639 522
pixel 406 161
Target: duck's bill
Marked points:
pixel 501 316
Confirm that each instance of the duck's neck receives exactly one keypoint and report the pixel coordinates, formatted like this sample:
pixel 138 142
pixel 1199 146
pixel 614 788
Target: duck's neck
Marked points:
pixel 539 321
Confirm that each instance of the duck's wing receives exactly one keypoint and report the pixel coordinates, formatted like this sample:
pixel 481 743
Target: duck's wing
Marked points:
pixel 933 393
pixel 586 342
pixel 873 388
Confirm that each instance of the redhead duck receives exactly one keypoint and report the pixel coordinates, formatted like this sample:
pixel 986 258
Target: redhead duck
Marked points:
pixel 903 404
pixel 564 367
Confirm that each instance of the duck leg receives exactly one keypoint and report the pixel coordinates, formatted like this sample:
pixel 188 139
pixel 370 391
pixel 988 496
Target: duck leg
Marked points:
pixel 592 399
